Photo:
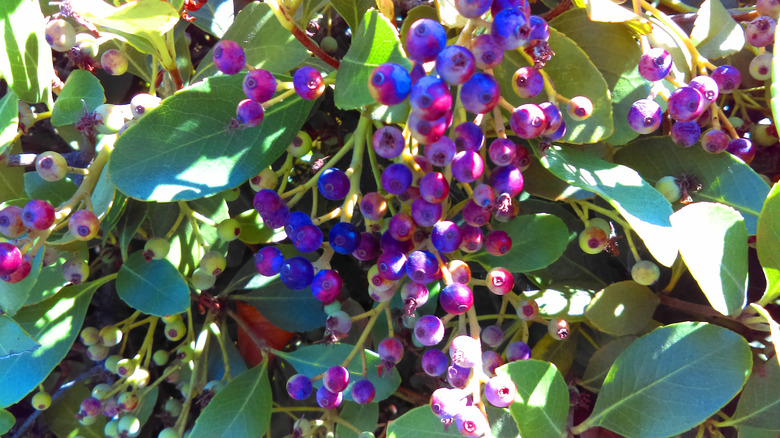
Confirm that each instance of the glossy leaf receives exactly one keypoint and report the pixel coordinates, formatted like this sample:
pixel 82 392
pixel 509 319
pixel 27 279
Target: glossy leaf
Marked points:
pixel 13 339
pixel 266 43
pixel 420 422
pixel 537 241
pixel 14 295
pixel 715 33
pixel 666 34
pixel 154 287
pixel 129 223
pixel 178 152
pixel 290 310
pixel 601 361
pixel 375 42
pixel 759 405
pixel 55 192
pixel 25 61
pixel 567 303
pixel 767 242
pixel 215 17
pixel 241 408
pixel 609 12
pixel 622 308
pixel 713 244
pixel 574 74
pixel 55 323
pixel 753 432
pixel 316 359
pixel 643 207
pixel 724 179
pixel 352 10
pixel 50 279
pixel 9 122
pixel 364 417
pixel 82 92
pixel 696 368
pixel 542 400
pixel 61 415
pixel 7 421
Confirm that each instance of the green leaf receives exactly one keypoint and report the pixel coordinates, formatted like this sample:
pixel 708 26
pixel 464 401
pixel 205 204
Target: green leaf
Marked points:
pixel 420 422
pixel 55 323
pixel 82 92
pixel 609 12
pixel 215 17
pixel 643 207
pixel 12 183
pixel 290 310
pixel 715 33
pixel 559 353
pixel 241 408
pixel 14 295
pixel 622 308
pixel 602 360
pixel 573 74
pixel 562 302
pixel 9 122
pixel 25 62
pixel 61 415
pixel 373 43
pixel 56 192
pixel 696 368
pixel 352 11
pixel 713 244
pixel 135 214
pixel 50 279
pixel 316 359
pixel 752 432
pixel 666 34
pixel 7 421
pixel 364 417
pixel 154 287
pixel 767 242
pixel 13 339
pixel 724 178
pixel 759 405
pixel 266 43
pixel 502 425
pixel 178 152
pixel 147 404
pixel 542 400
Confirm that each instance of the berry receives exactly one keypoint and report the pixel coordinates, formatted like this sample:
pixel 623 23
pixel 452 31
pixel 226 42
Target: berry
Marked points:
pixel 528 121
pixel 229 229
pixel 669 188
pixel 425 213
pixel 685 104
pixel 128 426
pixel 460 271
pixel 38 214
pixel 390 351
pixel 344 238
pixel 299 387
pixel 308 83
pixel 174 331
pixel 114 62
pixel 498 243
pixel 363 391
pixel 434 362
pixel 465 351
pixel 429 330
pixel 269 261
pixel 160 358
pixel 518 350
pixel 510 28
pixel 527 309
pixel 297 273
pixel 86 46
pixel 10 259
pixel 761 67
pixel 60 35
pixel 472 8
pixel 455 64
pixel 97 352
pixel 329 45
pixel 714 141
pixel 760 32
pixel 456 298
pixel 89 336
pixel 468 136
pixel 307 238
pixel 492 335
pixel 336 379
pixel 401 227
pixel 644 116
pixel 229 57
pixel 168 432
pixel 389 84
pixel 41 401
pixel 127 401
pixel 441 152
pixel 471 422
pixel 89 407
pixel 422 267
pixel 500 391
pixel 490 361
pixel 527 82
pixel 327 399
pixel 425 39
pixel 742 148
pixel 446 403
pixel 249 113
pixel 51 166
pixel 458 377
pixel 300 145
pixel 768 8
pixel 391 265
pixel 445 236
pixel 21 273
pixel 467 166
pixel 593 240
pixel 540 30
pixel 480 94
pixel 388 142
pixel 645 272
pixel 213 263
pixel 655 64
pixel 259 85
pixel 294 221
pixel 522 158
pixel 427 131
pixel 476 216
pixel 373 206
pixel 326 286
pixel 706 86
pixel 83 225
pixel 484 196
pixel 156 248
pixel 502 152
pixel 396 178
pixel 727 77
pixel 686 134
pixel 500 281
pixel 11 224
pixel 413 295
pixel 487 53
pixel 579 108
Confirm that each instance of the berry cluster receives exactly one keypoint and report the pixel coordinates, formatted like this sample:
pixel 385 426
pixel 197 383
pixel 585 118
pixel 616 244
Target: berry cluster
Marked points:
pixel 83 48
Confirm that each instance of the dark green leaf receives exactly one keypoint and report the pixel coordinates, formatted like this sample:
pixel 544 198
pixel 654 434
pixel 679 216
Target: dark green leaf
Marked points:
pixel 61 415
pixel 241 408
pixel 55 323
pixel 715 33
pixel 178 152
pixel 375 42
pixel 537 241
pixel 713 244
pixel 557 352
pixel 82 92
pixel 13 339
pixel 352 10
pixel 622 308
pixel 147 404
pixel 759 405
pixel 753 432
pixel 290 310
pixel 601 361
pixel 25 62
pixel 364 417
pixel 724 179
pixel 14 295
pixel 767 242
pixel 316 359
pixel 56 192
pixel 696 368
pixel 129 223
pixel 502 425
pixel 215 17
pixel 216 365
pixel 420 422
pixel 7 421
pixel 154 287
pixel 542 400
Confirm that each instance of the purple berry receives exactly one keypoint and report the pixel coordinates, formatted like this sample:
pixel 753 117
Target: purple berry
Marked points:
pixel 267 201
pixel 390 351
pixel 426 131
pixel 492 335
pixel 552 116
pixel 655 64
pixel 706 86
pixel 434 187
pixel 388 142
pixel 540 30
pixel 327 399
pixel 446 403
pixel 422 267
pixel 500 391
pixel 528 121
pixel 510 29
pixel 307 238
pixel 518 350
pixel 484 196
pixel 472 8
pixel 333 184
pixel 441 152
pixel 467 166
pixel 418 71
pixel 445 236
pixel 299 387
pixel 401 227
pixel 38 214
pixel 389 84
pixel 455 64
pixel 294 220
pixel 20 273
pixel 500 5
pixel 363 391
pixel 522 158
pixel 249 113
pixel 308 83
pixel 413 295
pixel 434 362
pixel 502 151
pixel 326 286
pixel 296 273
pixel 685 104
pixel 465 351
pixel 527 82
pixel 557 135
pixel 476 215
pixel 259 85
pixel 425 39
pixel 507 179
pixel 727 77
pixel 11 224
pixel 83 225
pixel 760 32
pixel 392 265
pixel 714 141
pixel 472 238
pixel 396 178
pixel 490 361
pixel 458 377
pixel 468 137
pixel 487 53
pixel 644 116
pixel 229 57
pixel 768 8
pixel 339 323
pixel 430 98
pixel 686 134
pixel 425 213
pixel 456 298
pixel 498 243
pixel 368 249
pixel 10 258
pixel 336 379
pixel 742 148
pixel 269 260
pixel 389 243
pixel 480 94
pixel 344 238
pixel 373 206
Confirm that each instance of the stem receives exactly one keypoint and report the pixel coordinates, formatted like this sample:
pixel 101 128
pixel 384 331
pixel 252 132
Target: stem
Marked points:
pixel 355 170
pixel 287 22
pixel 364 335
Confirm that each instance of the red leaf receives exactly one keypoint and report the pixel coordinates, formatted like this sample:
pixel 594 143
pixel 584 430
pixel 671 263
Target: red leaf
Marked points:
pixel 263 329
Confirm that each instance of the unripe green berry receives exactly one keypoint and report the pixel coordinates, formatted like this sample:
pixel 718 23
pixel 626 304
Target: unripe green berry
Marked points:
pixel 669 188
pixel 51 166
pixel 142 103
pixel 300 145
pixel 156 248
pixel 593 240
pixel 266 179
pixel 125 367
pixel 111 429
pixel 329 45
pixel 302 428
pixel 601 223
pixel 168 432
pixel 202 280
pixel 112 118
pixel 645 272
pixel 60 35
pixel 101 391
pixel 87 420
pixel 110 336
pixel 89 336
pixel 213 263
pixel 97 352
pixel 558 328
pixel 171 318
pixel 114 62
pixel 111 363
pixel 129 426
pixel 185 353
pixel 41 401
pixel 229 229
pixel 83 225
pixel 333 307
pixel 160 357
pixel 173 407
pixel 231 195
pixel 127 401
pixel 75 270
pixel 175 331
pixel 764 134
pixel 86 44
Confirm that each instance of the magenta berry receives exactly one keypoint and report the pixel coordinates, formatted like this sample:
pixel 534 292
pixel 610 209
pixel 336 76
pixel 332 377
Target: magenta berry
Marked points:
pixel 480 94
pixel 473 238
pixel 528 121
pixel 333 184
pixel 706 86
pixel 471 422
pixel 434 187
pixel 579 108
pixel 467 166
pixel 229 57
pixel 336 379
pixel 500 281
pixel 487 53
pixel 326 286
pixel 373 206
pixel 527 309
pixel 21 273
pixel 434 362
pixel 445 236
pixel 714 141
pixel 465 351
pixel 11 224
pixel 390 351
pixel 426 131
pixel 249 113
pixel 527 82
pixel 472 8
pixel 425 213
pixel 441 152
pixel 742 148
pixel 10 258
pixel 429 330
pixel 327 399
pixel 259 85
pixel 401 227
pixel 389 84
pixel 446 403
pixel 422 267
pixel 413 295
pixel 425 39
pixel 455 64
pixel 727 77
pixel 510 28
pixel 38 215
pixel 507 179
pixel 685 104
pixel 457 376
pixel 476 216
pixel 518 350
pixel 500 391
pixel 83 225
pixel 644 116
pixel 686 134
pixel 363 392
pixel 269 261
pixel 368 248
pixel 388 142
pixel 490 361
pixel 655 64
pixel 540 30
pixel 502 152
pixel 456 298
pixel 484 195
pixel 552 116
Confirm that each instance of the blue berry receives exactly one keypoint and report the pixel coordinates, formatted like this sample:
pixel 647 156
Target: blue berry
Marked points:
pixel 425 39
pixel 307 238
pixel 434 187
pixel 518 350
pixel 426 131
pixel 396 178
pixel 333 184
pixel 294 220
pixel 500 5
pixel 392 265
pixel 552 116
pixel 389 84
pixel 510 29
pixel 422 267
pixel 229 57
pixel 706 86
pixel 741 148
pixel 655 64
pixel 259 85
pixel 249 113
pixel 480 94
pixel 269 260
pixel 344 238
pixel 445 236
pixel 472 8
pixel 296 273
pixel 473 238
pixel 467 166
pixel 528 121
pixel 727 77
pixel 527 82
pixel 267 201
pixel 644 116
pixel 487 53
pixel 425 213
pixel 685 104
pixel 429 331
pixel 468 137
pixel 308 83
pixel 502 152
pixel 441 153
pixel 557 135
pixel 336 378
pixel 507 179
pixel 456 298
pixel 363 391
pixel 540 30
pixel 455 64
pixel 327 399
pixel 434 362
pixel 277 218
pixel 38 214
pixel 430 98
pixel 299 387
pixel 388 142
pixel 686 133
pixel 368 249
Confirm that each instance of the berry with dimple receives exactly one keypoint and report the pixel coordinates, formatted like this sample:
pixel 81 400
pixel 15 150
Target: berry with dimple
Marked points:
pixel 644 116
pixel 761 67
pixel 38 214
pixel 267 202
pixel 446 403
pixel 229 57
pixel 11 224
pixel 522 158
pixel 344 238
pixel 401 227
pixel 300 145
pixel 176 330
pixel 392 265
pixel 487 53
pixel 510 29
pixel 83 225
pixel 456 298
pixel 336 379
pixel 111 118
pixel 685 104
pixel 10 259
pixel 480 94
pixel 706 86
pixel 20 273
pixel 472 8
pixel 51 166
pixel 380 296
pixel 326 286
pixel 507 179
pixel 41 401
pixel 422 267
pixel 645 272
pixel 396 178
pixel 60 35
pixel 727 77
pixel 259 85
pixel 363 391
pixel 89 336
pixel 686 134
pixel 127 401
pixel 445 236
pixel 500 281
pixel 455 64
pixel 129 426
pixel 457 376
pixel 388 142
pixel 89 407
pixel 460 271
pixel 249 113
pixel 390 351
pixel 527 82
pixel 389 84
pixel 333 184
pixel 114 62
pixel 502 152
pixel 425 213
pixel 669 188
pixel 426 131
pixel 434 187
pixel 468 136
pixel 229 229
pixel 760 32
pixel 714 141
pixel 434 362
pixel 156 248
pixel 540 30
pixel 413 295
pixel 500 391
pixel 557 135
pixel 295 220
pixel 655 64
pixel 498 243
pixel 307 238
pixel 484 195
pixel 742 148
pixel 528 121
pixel 299 387
pixel 377 281
pixel 373 206
pixel 441 152
pixel 558 328
pixel 593 240
pixel 471 422
pixel 142 103
pixel 213 262
pixel 527 309
pixel 467 166
pixel 579 108
pixel 429 330
pixel 490 361
pixel 476 216
pixel 768 8
pixel 327 399
pixel 518 350
pixel 297 273
pixel 465 351
pixel 269 260
pixel 308 83
pixel 492 335
pixel 425 39
pixel 97 352
pixel 430 98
